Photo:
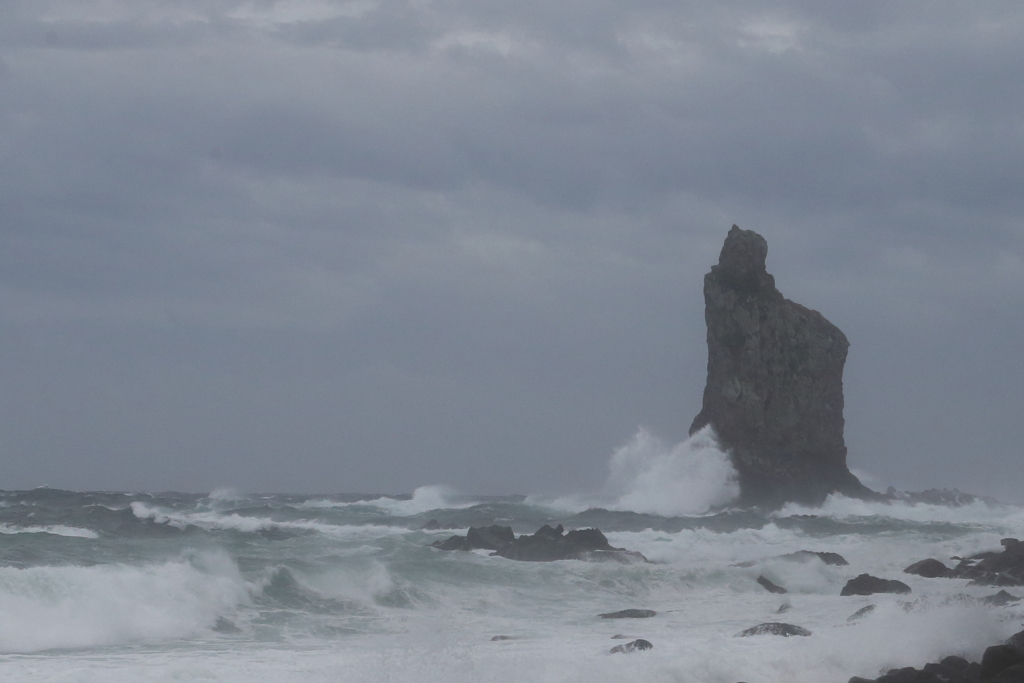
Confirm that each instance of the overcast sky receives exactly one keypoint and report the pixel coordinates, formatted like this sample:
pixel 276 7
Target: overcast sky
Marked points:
pixel 320 245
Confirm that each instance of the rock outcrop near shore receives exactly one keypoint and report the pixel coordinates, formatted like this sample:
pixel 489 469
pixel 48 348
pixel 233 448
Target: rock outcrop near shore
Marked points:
pixel 774 392
pixel 547 545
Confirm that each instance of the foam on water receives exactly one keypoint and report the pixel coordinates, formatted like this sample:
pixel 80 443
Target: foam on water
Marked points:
pixel 424 499
pixel 977 512
pixel 215 520
pixel 73 607
pixel 54 529
pixel 649 476
pixel 350 599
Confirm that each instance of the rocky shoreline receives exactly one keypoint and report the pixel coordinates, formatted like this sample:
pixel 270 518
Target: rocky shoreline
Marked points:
pixel 1001 662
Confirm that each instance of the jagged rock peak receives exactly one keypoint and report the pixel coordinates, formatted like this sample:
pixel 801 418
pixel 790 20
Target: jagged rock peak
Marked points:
pixel 741 265
pixel 774 393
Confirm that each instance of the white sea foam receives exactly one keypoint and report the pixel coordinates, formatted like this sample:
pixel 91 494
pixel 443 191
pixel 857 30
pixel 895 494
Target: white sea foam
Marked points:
pixel 424 499
pixel 72 606
pixel 213 520
pixel 649 476
pixel 1010 517
pixel 54 529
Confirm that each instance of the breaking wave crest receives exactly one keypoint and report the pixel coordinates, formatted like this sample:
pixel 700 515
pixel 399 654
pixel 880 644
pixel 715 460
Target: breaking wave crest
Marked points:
pixel 74 606
pixel 649 476
pixel 424 499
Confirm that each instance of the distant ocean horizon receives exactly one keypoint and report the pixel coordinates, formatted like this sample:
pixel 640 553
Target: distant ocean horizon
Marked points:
pixel 228 586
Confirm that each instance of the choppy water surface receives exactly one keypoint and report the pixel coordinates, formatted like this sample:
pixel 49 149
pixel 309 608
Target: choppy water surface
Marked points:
pixel 231 587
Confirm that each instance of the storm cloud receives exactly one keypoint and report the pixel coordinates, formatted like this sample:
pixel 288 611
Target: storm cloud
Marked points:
pixel 310 245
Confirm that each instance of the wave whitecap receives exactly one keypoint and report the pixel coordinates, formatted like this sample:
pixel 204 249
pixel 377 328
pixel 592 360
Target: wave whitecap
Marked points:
pixel 650 476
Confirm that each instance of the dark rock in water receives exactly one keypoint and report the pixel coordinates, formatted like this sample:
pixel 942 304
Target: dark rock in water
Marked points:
pixel 861 613
pixel 544 546
pixel 771 587
pixel 994 568
pixel 998 658
pixel 629 614
pixel 948 497
pixel 774 628
pixel 224 625
pixel 1013 674
pixel 497 638
pixel 865 584
pixel 483 538
pixel 1016 640
pixel 638 644
pixel 783 608
pixel 952 669
pixel 553 544
pixel 452 543
pixel 490 537
pixel 999 599
pixel 619 636
pixel 432 525
pixel 930 569
pixel 834 559
pixel 774 392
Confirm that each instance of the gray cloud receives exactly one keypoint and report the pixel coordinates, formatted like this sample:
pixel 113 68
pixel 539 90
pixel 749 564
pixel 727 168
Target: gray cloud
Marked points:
pixel 304 245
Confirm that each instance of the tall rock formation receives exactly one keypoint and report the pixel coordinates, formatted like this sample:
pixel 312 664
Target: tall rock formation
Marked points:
pixel 774 393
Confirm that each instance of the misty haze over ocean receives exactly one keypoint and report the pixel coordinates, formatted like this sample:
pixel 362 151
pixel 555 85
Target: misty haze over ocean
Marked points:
pixel 393 262
pixel 318 245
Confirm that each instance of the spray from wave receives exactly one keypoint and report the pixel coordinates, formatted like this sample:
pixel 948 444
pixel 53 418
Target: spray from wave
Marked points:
pixel 649 476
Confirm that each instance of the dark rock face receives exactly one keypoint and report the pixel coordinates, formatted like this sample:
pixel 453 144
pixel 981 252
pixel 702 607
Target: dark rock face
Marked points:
pixel 554 544
pixel 629 614
pixel 930 569
pixel 771 587
pixel 774 628
pixel 834 559
pixel 1000 599
pixel 547 545
pixel 1004 568
pixel 482 538
pixel 490 537
pixel 998 658
pixel 774 392
pixel 865 584
pixel 861 613
pixel 638 644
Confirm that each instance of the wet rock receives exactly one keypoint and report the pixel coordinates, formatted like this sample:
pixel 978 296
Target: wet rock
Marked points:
pixel 452 543
pixel 783 608
pixel 498 638
pixel 774 628
pixel 629 614
pixel 865 584
pixel 861 613
pixel 638 644
pixel 546 545
pixel 834 559
pixel 774 392
pixel 999 599
pixel 999 658
pixel 995 568
pixel 771 587
pixel 550 544
pixel 225 625
pixel 490 537
pixel 930 569
pixel 1013 674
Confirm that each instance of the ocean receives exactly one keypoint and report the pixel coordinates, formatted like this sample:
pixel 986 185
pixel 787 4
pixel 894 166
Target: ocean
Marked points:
pixel 227 586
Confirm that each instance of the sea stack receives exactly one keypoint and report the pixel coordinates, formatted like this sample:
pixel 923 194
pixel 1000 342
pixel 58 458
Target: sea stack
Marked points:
pixel 774 394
